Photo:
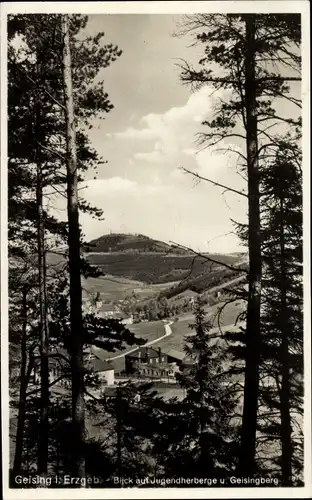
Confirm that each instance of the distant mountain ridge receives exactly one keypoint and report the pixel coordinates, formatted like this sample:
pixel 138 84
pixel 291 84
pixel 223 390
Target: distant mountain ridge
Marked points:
pixel 138 257
pixel 122 242
pixel 145 262
pixel 128 242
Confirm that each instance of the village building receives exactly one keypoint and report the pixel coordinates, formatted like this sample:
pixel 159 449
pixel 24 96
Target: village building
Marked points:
pixel 59 369
pixel 103 369
pixel 187 294
pixel 165 372
pixel 143 356
pixel 154 363
pixel 126 319
pixel 174 356
pixel 106 311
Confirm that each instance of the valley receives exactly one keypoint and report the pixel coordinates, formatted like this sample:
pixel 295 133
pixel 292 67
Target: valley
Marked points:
pixel 152 302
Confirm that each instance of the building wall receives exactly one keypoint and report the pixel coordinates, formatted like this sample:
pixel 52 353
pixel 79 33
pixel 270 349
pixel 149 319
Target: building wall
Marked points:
pixel 132 363
pixel 162 358
pixel 108 377
pixel 128 321
pixel 162 372
pixel 106 314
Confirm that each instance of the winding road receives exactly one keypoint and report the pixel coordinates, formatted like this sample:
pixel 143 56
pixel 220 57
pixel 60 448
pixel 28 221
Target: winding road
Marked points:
pixel 168 332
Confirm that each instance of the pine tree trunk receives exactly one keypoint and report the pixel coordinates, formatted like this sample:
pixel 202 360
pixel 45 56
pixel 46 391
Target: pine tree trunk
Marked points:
pixel 44 341
pixel 76 342
pixel 285 386
pixel 203 463
pixel 22 395
pixel 119 435
pixel 251 387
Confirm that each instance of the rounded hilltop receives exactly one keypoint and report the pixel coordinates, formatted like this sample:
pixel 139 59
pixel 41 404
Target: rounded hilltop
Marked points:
pixel 133 243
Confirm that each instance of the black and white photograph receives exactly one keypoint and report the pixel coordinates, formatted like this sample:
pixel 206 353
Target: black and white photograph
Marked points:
pixel 155 322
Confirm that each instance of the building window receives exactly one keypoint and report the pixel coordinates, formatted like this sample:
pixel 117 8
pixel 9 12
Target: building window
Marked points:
pixel 162 360
pixel 157 360
pixel 151 361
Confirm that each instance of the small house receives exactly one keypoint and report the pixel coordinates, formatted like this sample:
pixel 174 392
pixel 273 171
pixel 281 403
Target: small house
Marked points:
pixel 108 311
pixel 127 320
pixel 164 372
pixel 154 363
pixel 103 369
pixel 144 355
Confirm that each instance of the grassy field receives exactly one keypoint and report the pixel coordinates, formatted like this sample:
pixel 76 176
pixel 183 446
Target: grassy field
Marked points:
pixel 155 329
pixel 229 313
pixel 181 328
pixel 146 275
pixel 114 288
pixel 148 330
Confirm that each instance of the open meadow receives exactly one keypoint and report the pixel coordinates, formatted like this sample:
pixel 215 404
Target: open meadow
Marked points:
pixel 181 328
pixel 114 288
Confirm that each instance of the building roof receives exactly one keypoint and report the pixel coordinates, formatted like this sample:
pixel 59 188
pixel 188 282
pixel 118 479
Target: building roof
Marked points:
pixel 121 315
pixel 93 363
pixel 98 365
pixel 187 294
pixel 145 351
pixel 108 308
pixel 98 360
pixel 155 353
pixel 174 354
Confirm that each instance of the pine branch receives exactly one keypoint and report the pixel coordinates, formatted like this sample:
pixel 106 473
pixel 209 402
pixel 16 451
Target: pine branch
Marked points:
pixel 61 377
pixel 218 136
pixel 194 174
pixel 293 100
pixel 219 313
pixel 91 396
pixel 289 121
pixel 32 81
pixel 51 151
pixel 209 259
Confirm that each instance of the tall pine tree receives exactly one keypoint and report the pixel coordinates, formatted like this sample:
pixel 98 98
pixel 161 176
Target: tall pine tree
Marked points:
pixel 254 58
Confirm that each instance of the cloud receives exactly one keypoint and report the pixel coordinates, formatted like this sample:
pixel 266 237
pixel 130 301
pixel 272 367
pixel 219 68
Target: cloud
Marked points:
pixel 99 189
pixel 133 133
pixel 109 186
pixel 145 191
pixel 173 132
pixel 225 157
pixel 193 215
pixel 151 157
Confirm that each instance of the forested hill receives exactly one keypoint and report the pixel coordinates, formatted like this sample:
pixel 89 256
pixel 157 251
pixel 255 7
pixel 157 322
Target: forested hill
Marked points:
pixel 141 258
pixel 133 243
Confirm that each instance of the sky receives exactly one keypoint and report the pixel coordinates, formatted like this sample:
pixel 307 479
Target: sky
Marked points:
pixel 150 135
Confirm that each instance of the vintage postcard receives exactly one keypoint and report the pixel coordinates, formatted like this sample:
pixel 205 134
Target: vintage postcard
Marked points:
pixel 155 250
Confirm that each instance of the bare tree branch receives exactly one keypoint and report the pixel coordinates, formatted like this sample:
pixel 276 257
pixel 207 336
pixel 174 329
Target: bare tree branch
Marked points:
pixel 194 174
pixel 209 259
